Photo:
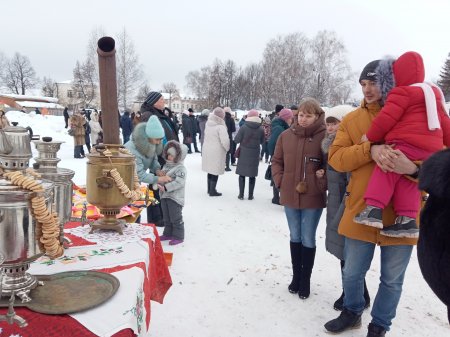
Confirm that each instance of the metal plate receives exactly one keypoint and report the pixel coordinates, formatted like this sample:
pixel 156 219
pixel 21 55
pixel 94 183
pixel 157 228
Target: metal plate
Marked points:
pixel 70 292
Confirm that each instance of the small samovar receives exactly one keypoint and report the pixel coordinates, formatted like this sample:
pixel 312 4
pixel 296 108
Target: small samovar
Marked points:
pixel 46 166
pixel 20 232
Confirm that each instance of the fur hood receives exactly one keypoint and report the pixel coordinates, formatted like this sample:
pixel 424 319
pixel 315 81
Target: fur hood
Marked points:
pixel 142 144
pixel 385 77
pixel 326 142
pixel 180 150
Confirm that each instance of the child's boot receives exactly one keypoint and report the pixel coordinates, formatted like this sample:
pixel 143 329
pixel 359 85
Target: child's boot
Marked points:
pixel 404 227
pixel 370 216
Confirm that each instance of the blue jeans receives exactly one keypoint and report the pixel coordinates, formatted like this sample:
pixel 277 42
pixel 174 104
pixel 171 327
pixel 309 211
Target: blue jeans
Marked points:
pixel 358 256
pixel 303 224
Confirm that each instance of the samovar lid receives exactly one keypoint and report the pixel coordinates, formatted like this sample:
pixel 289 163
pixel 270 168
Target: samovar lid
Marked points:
pixel 12 193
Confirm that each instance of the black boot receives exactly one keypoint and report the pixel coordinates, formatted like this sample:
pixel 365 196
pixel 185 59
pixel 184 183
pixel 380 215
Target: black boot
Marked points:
pixel 209 183
pixel 276 195
pixel 308 256
pixel 251 187
pixel 374 330
pixel 241 187
pixel 296 258
pixel 212 188
pixel 366 296
pixel 347 320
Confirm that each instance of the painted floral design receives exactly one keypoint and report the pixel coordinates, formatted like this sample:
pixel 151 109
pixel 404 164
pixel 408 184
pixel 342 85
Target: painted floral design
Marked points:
pixel 138 310
pixel 84 256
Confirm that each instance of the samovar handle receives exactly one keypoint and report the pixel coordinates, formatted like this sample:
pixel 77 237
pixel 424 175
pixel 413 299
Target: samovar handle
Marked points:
pixel 5 145
pixel 30 131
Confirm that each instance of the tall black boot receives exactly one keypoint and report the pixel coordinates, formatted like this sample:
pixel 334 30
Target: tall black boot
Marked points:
pixel 212 188
pixel 209 183
pixel 227 161
pixel 308 256
pixel 251 187
pixel 366 296
pixel 241 187
pixel 276 195
pixel 296 258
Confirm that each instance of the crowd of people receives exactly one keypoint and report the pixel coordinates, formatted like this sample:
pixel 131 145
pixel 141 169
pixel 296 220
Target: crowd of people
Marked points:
pixel 362 164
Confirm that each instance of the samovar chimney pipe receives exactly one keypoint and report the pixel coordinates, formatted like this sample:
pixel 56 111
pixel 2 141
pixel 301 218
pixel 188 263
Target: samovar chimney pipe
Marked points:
pixel 108 89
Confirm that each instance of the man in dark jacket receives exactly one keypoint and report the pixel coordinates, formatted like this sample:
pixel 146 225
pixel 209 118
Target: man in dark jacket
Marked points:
pixel 194 128
pixel 186 128
pixel 66 117
pixel 126 125
pixel 231 127
pixel 154 105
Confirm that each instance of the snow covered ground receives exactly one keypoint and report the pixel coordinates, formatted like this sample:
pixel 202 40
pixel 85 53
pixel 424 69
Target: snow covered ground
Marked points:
pixel 230 276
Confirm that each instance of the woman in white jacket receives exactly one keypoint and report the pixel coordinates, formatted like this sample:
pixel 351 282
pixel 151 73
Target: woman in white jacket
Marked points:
pixel 95 128
pixel 215 147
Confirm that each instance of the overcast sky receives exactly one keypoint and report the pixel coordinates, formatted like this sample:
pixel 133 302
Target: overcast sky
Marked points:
pixel 176 36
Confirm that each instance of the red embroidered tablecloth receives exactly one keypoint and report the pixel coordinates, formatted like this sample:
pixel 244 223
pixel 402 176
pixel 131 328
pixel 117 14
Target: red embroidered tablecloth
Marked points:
pixel 156 283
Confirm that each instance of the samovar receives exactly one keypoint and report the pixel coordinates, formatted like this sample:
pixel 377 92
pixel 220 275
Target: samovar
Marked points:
pixel 19 237
pixel 111 178
pixel 46 166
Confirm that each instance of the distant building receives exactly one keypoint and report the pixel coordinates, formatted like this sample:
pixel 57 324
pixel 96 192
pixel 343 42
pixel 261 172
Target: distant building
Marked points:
pixel 47 105
pixel 74 100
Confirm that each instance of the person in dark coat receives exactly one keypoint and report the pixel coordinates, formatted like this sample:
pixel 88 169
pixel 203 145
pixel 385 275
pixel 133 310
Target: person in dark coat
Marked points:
pixel 249 137
pixel 337 184
pixel 38 112
pixel 202 119
pixel 278 125
pixel 186 128
pixel 66 117
pixel 87 134
pixel 126 126
pixel 231 127
pixel 433 248
pixel 194 129
pixel 154 106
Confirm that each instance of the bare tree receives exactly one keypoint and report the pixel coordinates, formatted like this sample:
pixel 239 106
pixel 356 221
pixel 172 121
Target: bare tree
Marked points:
pixel 170 88
pixel 49 87
pixel 91 48
pixel 18 74
pixel 84 82
pixel 331 78
pixel 199 82
pixel 129 73
pixel 143 92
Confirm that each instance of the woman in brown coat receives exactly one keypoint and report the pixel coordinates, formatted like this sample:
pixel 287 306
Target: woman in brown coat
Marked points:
pixel 77 122
pixel 3 120
pixel 298 171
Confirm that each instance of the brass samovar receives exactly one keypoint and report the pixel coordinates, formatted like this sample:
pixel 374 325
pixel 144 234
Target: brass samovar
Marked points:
pixel 111 174
pixel 20 231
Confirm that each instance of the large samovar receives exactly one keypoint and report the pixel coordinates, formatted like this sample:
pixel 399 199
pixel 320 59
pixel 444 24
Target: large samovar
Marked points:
pixel 47 167
pixel 111 174
pixel 20 232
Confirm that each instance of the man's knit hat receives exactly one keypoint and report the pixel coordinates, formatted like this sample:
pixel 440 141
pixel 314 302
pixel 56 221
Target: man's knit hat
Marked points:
pixel 286 114
pixel 153 128
pixel 152 98
pixel 369 71
pixel 205 112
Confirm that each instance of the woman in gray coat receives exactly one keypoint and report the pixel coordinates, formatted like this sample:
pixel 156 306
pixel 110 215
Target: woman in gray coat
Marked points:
pixel 249 137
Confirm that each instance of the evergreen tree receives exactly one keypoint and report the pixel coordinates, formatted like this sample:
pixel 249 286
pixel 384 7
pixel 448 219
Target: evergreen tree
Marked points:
pixel 444 81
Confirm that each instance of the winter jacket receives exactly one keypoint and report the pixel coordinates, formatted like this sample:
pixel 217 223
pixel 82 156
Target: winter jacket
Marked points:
pixel 277 127
pixel 77 122
pixel 229 122
pixel 146 155
pixel 201 125
pixel 194 126
pixel 249 137
pixel 95 128
pixel 126 124
pixel 349 154
pixel 170 130
pixel 186 128
pixel 175 169
pixel 215 145
pixel 297 157
pixel 337 184
pixel 404 115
